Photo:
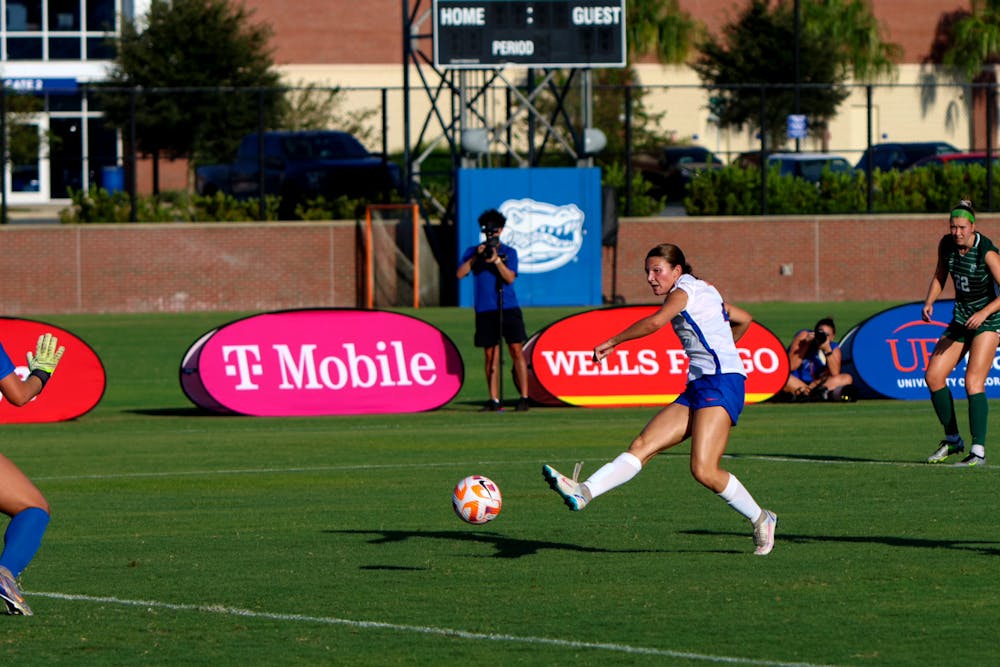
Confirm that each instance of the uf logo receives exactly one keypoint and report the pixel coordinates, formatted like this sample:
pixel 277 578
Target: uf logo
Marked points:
pixel 546 236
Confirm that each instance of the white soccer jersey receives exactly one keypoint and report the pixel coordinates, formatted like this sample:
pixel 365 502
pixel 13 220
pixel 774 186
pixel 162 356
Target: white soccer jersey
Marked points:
pixel 704 331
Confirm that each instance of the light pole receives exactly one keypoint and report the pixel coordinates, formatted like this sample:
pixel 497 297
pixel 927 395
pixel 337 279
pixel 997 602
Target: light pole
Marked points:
pixel 796 67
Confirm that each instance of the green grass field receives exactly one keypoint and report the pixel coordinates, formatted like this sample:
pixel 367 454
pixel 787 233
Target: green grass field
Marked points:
pixel 183 538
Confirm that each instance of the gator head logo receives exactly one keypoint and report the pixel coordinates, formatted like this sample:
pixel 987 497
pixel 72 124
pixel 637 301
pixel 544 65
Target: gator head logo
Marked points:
pixel 546 236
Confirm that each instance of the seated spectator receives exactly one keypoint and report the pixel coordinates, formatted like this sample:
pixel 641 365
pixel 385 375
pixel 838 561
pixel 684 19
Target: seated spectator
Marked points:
pixel 814 362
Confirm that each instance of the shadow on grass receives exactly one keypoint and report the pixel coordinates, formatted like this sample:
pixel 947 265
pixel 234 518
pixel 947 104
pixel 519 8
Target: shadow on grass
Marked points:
pixel 180 412
pixel 977 546
pixel 505 547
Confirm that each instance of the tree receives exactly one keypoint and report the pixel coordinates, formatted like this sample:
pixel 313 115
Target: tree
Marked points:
pixel 654 27
pixel 197 76
pixel 972 48
pixel 312 107
pixel 975 39
pixel 660 28
pixel 837 39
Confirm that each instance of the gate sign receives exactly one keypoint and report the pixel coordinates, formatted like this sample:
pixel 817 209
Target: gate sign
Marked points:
pixel 645 371
pixel 322 362
pixel 889 352
pixel 554 223
pixel 76 387
pixel 797 126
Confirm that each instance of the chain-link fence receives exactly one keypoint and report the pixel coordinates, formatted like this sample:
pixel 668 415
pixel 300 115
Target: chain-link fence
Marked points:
pixel 138 140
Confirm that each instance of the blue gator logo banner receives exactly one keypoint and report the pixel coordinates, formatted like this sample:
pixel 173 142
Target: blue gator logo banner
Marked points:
pixel 553 221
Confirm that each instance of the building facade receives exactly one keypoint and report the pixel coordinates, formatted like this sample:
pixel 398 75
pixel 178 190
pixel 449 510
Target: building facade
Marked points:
pixel 51 48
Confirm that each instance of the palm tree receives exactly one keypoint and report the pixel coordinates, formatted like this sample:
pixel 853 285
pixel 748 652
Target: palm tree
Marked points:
pixel 975 39
pixel 974 52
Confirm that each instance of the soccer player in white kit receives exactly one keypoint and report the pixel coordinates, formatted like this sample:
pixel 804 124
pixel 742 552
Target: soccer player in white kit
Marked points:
pixel 711 403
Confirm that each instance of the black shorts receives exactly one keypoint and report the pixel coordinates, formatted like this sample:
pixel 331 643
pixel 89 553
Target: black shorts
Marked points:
pixel 488 327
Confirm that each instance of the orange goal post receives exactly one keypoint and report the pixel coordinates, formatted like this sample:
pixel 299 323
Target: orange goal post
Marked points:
pixel 392 256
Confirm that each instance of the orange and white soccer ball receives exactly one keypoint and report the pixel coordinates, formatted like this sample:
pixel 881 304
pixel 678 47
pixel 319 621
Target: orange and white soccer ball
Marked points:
pixel 476 499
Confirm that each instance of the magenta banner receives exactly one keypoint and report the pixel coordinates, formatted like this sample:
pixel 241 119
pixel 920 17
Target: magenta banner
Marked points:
pixel 323 362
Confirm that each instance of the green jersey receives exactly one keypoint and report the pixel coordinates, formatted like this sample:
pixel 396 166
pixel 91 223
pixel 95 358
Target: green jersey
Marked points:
pixel 974 285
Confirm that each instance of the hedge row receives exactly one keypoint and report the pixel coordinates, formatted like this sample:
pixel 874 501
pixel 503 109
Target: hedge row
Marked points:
pixel 736 191
pixel 99 205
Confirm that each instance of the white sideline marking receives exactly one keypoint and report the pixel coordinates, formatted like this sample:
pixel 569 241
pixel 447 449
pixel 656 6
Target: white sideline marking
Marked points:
pixel 421 629
pixel 450 464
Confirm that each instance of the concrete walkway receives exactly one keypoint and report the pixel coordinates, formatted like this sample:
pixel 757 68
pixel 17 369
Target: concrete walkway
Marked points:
pixel 25 214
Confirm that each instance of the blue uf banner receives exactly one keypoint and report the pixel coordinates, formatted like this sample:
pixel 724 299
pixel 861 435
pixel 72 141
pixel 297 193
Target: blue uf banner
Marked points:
pixel 889 352
pixel 554 223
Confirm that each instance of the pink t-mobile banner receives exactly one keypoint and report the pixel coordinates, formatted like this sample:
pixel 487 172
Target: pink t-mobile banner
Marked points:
pixel 323 362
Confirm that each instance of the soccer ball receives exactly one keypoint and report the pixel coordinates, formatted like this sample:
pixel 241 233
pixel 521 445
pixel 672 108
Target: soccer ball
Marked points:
pixel 476 499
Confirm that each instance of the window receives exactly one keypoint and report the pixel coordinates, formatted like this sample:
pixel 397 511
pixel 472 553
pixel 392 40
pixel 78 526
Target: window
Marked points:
pixel 24 15
pixel 101 15
pixel 64 15
pixel 64 48
pixel 60 30
pixel 24 48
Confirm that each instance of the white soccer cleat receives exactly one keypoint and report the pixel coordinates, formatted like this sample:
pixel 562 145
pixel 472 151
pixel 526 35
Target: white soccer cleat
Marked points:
pixel 11 594
pixel 971 461
pixel 945 449
pixel 763 532
pixel 572 492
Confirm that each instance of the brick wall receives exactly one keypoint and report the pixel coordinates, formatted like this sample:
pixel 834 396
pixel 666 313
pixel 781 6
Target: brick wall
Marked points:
pixel 271 266
pixel 178 267
pixel 829 258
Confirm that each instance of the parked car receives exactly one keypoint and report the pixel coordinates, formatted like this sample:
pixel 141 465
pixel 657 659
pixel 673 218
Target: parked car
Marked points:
pixel 301 165
pixel 809 166
pixel 962 159
pixel 900 155
pixel 671 168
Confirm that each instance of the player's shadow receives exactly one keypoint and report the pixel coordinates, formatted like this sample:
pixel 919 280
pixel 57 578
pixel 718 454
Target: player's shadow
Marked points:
pixel 503 547
pixel 981 547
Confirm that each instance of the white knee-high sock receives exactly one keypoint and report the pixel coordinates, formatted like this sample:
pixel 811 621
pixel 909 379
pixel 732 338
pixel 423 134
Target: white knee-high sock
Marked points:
pixel 612 474
pixel 740 499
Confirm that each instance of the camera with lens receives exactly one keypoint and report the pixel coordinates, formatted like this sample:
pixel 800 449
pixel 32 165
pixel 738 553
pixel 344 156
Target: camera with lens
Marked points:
pixel 490 249
pixel 819 336
pixel 492 245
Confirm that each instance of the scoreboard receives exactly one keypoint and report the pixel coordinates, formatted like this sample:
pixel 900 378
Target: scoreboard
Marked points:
pixel 479 34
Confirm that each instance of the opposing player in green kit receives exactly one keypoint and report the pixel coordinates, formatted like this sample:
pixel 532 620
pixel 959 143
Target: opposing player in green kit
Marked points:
pixel 974 264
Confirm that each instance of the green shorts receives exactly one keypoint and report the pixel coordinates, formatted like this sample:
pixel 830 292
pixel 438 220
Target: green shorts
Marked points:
pixel 962 334
pixel 957 331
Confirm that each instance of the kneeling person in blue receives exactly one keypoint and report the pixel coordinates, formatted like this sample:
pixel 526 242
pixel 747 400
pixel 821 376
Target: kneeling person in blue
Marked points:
pixel 814 361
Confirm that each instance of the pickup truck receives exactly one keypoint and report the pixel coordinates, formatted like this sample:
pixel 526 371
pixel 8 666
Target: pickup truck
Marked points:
pixel 301 165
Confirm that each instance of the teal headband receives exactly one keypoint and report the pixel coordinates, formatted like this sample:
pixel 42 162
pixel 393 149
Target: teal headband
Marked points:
pixel 962 213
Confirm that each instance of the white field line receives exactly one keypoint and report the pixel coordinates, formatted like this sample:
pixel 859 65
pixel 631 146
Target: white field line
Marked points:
pixel 451 464
pixel 421 629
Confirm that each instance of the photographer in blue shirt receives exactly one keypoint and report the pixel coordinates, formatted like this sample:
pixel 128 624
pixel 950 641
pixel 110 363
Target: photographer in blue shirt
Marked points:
pixel 814 366
pixel 493 266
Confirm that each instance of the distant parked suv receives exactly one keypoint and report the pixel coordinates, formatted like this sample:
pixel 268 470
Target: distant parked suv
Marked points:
pixel 301 165
pixel 670 169
pixel 901 155
pixel 809 166
pixel 955 159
